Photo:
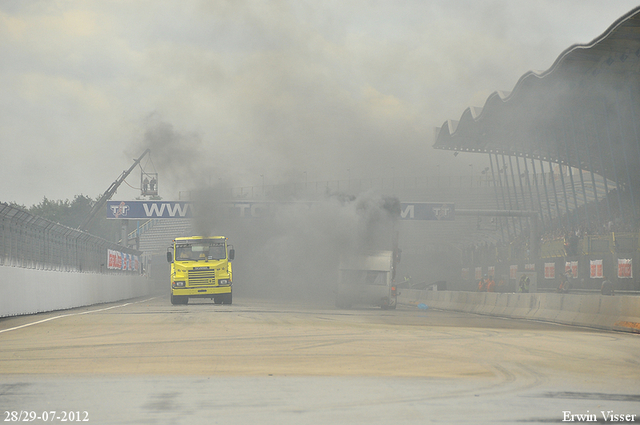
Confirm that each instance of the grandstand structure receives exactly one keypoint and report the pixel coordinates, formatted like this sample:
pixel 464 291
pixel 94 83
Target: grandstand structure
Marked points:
pixel 565 143
pixel 579 120
pixel 155 235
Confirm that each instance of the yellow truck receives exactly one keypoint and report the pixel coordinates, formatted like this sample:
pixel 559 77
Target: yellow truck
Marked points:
pixel 201 268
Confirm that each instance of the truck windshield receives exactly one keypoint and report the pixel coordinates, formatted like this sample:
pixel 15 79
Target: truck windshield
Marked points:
pixel 200 251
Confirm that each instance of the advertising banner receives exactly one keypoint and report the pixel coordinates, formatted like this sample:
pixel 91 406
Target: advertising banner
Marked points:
pixel 513 272
pixel 571 267
pixel 181 209
pixel 596 269
pixel 148 209
pixel 625 270
pixel 117 260
pixel 427 211
pixel 549 270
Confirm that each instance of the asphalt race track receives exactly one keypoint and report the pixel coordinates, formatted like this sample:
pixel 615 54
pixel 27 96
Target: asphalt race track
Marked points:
pixel 145 361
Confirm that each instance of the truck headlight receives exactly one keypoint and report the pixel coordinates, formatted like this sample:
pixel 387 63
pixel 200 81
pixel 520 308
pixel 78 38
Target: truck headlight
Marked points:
pixel 224 282
pixel 179 284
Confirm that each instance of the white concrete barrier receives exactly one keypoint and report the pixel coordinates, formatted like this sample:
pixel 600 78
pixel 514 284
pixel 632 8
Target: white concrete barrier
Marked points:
pixel 28 291
pixel 597 311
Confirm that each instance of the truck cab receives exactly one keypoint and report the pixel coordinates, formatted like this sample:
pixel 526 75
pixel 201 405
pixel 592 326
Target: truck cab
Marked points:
pixel 201 268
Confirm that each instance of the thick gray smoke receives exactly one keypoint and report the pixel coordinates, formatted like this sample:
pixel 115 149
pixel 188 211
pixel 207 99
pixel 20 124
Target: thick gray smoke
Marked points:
pixel 293 250
pixel 181 158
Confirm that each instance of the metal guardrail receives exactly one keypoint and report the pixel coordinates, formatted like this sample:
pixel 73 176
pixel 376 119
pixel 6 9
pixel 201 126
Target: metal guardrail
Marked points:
pixel 146 226
pixel 33 242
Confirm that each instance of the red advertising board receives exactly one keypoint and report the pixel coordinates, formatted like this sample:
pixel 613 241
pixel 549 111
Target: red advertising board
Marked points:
pixel 549 270
pixel 625 270
pixel 571 267
pixel 117 260
pixel 513 272
pixel 465 273
pixel 596 269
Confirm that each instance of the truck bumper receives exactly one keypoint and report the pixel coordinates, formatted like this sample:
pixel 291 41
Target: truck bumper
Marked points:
pixel 201 291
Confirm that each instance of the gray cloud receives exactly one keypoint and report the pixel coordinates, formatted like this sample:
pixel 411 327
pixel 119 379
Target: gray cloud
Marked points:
pixel 241 90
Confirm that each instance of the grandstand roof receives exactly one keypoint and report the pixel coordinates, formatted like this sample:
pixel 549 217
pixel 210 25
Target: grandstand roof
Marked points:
pixel 583 111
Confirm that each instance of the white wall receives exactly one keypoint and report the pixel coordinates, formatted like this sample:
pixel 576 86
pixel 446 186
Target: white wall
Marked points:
pixel 28 291
pixel 621 313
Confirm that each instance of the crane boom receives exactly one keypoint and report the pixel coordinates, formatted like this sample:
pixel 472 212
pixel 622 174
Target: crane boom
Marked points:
pixel 109 193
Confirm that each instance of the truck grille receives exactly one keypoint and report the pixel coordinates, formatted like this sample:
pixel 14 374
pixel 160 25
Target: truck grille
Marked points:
pixel 202 277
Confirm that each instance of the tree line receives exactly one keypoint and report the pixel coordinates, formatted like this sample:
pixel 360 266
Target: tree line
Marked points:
pixel 73 213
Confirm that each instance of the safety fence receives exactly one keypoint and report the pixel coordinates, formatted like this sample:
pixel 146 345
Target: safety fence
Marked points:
pixel 29 241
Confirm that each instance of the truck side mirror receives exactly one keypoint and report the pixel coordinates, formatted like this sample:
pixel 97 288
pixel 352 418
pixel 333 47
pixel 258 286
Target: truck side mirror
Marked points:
pixel 169 256
pixel 232 254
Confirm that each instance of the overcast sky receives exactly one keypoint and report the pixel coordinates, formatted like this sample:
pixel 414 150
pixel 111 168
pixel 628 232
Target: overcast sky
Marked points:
pixel 235 90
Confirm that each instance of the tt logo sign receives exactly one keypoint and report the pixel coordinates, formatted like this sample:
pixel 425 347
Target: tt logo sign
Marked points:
pixel 119 210
pixel 148 209
pixel 427 211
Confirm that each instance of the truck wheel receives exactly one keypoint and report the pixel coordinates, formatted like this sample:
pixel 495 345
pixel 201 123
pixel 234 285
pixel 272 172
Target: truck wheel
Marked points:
pixel 178 300
pixel 227 298
pixel 389 304
pixel 217 300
